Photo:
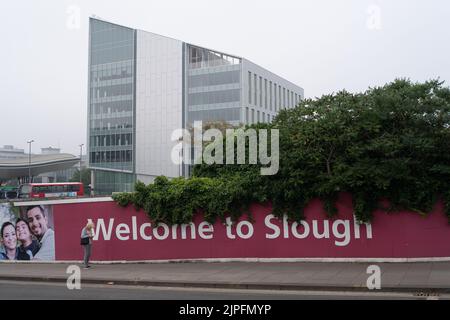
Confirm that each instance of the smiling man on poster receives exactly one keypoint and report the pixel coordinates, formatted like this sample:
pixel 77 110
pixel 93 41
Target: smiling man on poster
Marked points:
pixel 38 222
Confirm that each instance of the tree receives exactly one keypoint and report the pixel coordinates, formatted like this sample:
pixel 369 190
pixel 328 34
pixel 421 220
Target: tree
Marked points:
pixel 389 143
pixel 85 177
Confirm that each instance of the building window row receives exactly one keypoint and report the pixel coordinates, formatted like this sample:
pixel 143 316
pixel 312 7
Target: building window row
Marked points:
pixel 112 108
pixel 123 139
pixel 111 156
pixel 214 79
pixel 204 58
pixel 270 95
pixel 112 124
pixel 255 116
pixel 213 97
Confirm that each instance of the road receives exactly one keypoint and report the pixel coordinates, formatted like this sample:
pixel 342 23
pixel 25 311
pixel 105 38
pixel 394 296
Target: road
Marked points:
pixel 12 290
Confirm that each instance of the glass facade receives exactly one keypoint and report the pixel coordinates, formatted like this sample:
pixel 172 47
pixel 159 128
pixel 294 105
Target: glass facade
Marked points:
pixel 111 103
pixel 111 97
pixel 213 86
pixel 107 182
pixel 210 88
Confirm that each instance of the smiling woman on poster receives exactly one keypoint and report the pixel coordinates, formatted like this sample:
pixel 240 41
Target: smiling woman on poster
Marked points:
pixel 9 241
pixel 29 246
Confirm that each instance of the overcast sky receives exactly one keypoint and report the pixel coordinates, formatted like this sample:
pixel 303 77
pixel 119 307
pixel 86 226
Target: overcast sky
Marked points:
pixel 322 45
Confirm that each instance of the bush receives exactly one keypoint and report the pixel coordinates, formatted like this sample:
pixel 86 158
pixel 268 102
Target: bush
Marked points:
pixel 391 142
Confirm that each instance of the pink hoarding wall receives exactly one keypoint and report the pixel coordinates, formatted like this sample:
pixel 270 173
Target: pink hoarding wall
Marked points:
pixel 125 234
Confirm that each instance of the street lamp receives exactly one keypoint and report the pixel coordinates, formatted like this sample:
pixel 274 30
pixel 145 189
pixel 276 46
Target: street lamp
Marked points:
pixel 81 154
pixel 29 160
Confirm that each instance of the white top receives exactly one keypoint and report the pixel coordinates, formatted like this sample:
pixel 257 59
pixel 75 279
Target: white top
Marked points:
pixel 47 250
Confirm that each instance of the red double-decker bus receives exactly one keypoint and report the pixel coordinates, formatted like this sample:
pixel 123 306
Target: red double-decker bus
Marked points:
pixel 51 190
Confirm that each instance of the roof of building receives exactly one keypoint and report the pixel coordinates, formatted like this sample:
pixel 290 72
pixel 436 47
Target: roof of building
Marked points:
pixel 41 163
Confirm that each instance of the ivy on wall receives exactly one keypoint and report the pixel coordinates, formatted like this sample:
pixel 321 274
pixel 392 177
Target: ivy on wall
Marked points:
pixel 388 143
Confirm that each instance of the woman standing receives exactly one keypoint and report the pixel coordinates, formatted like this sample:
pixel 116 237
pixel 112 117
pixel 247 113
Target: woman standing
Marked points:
pixel 86 241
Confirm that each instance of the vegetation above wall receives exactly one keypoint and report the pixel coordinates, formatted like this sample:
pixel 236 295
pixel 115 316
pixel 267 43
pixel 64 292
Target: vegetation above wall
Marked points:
pixel 390 142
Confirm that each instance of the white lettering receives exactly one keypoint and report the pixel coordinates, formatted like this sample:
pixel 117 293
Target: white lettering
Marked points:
pixel 142 231
pixel 175 231
pixel 229 224
pixel 276 230
pixel 357 225
pixel 286 227
pixel 305 231
pixel 123 229
pixel 102 228
pixel 249 232
pixel 345 235
pixel 340 230
pixel 326 230
pixel 134 228
pixel 183 230
pixel 204 228
pixel 164 235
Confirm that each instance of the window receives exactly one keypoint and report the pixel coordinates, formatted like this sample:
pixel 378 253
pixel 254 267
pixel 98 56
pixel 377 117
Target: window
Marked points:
pixel 214 79
pixel 275 93
pixel 265 93
pixel 211 97
pixel 270 95
pixel 260 92
pixel 257 120
pixel 249 88
pixel 263 117
pixel 247 120
pixel 73 188
pixel 279 98
pixel 253 115
pixel 287 99
pixel 203 58
pixel 284 98
pixel 255 89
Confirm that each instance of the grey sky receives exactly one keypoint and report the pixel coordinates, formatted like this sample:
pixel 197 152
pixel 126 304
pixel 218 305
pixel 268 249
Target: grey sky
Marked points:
pixel 323 46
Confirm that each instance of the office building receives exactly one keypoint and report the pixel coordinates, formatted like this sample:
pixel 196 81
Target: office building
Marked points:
pixel 143 86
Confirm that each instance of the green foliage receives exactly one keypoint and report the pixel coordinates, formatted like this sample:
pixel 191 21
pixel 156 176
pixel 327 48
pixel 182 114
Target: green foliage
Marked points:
pixel 176 201
pixel 389 143
pixel 85 177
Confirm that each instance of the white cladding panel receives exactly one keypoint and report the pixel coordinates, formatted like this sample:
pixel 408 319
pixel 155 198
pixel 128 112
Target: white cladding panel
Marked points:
pixel 158 104
pixel 259 106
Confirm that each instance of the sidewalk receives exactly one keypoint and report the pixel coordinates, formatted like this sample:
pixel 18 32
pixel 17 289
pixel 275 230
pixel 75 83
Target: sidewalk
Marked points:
pixel 395 277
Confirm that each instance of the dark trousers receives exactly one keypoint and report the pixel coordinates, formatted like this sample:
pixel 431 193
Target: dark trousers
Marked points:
pixel 87 253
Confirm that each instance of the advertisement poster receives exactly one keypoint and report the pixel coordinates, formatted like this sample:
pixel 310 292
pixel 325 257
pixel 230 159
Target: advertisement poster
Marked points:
pixel 27 233
pixel 52 232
